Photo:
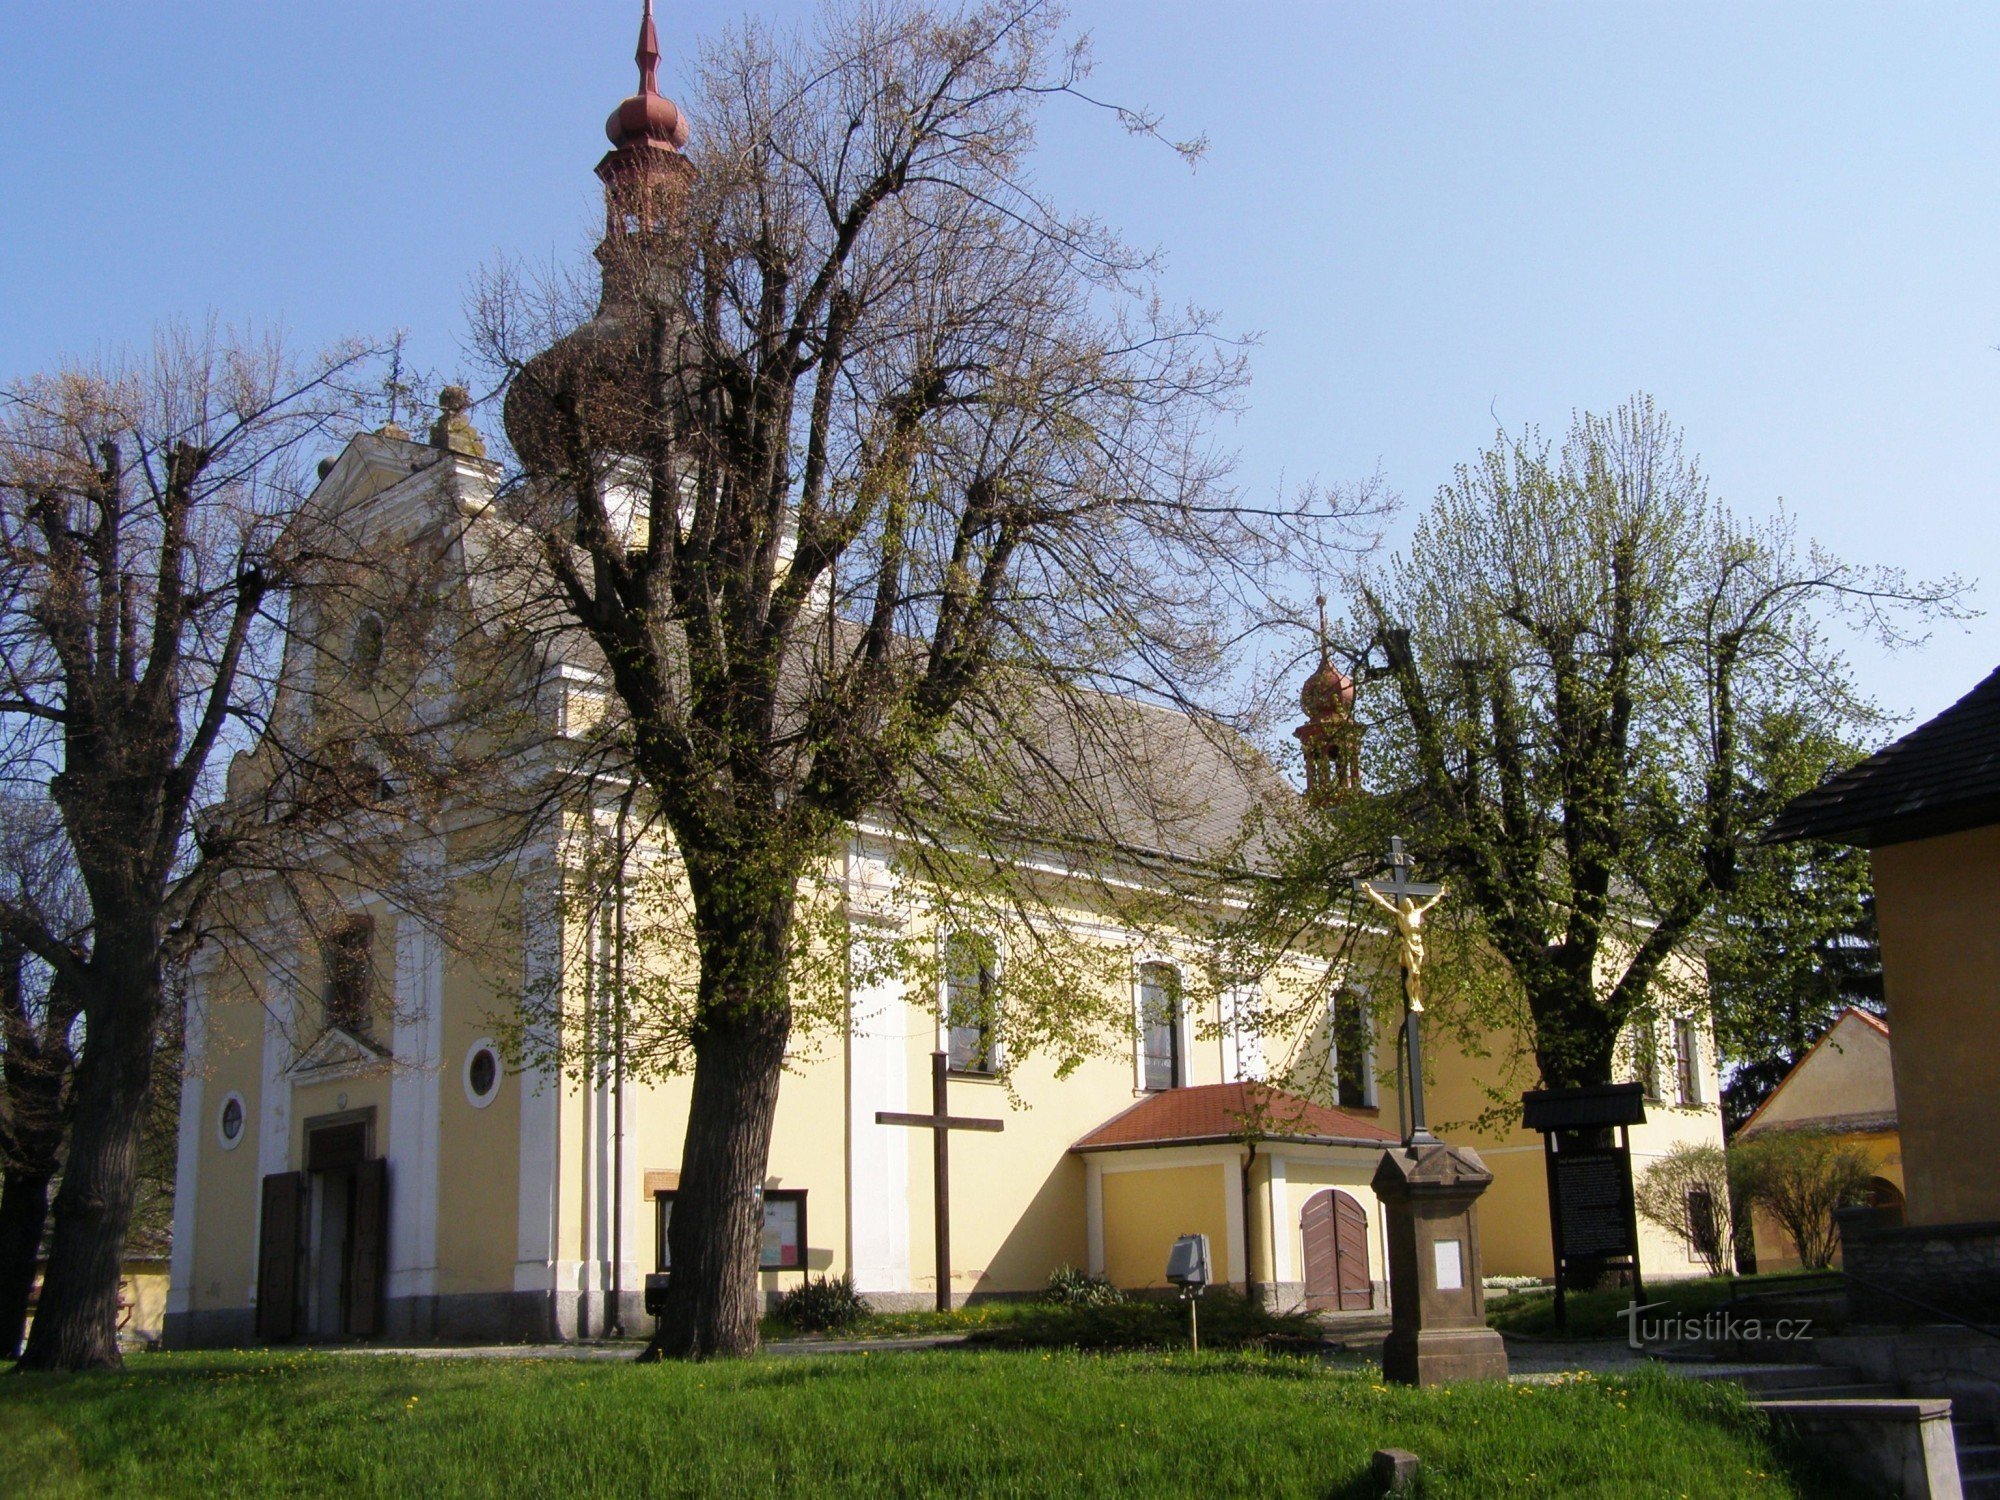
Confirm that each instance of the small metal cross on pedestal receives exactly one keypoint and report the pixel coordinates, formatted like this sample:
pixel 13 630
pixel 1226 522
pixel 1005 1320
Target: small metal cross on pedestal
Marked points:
pixel 1403 899
pixel 940 1122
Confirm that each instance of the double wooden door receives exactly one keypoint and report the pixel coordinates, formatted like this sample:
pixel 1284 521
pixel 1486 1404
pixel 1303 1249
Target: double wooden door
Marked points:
pixel 1335 1228
pixel 322 1244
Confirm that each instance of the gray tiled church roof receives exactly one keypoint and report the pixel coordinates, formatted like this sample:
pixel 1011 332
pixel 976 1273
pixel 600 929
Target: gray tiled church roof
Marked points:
pixel 1941 777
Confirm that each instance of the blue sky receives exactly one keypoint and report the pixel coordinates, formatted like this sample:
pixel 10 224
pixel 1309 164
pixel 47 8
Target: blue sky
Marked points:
pixel 1780 220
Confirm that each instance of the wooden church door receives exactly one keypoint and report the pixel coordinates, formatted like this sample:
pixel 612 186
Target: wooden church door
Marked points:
pixel 320 1262
pixel 1335 1229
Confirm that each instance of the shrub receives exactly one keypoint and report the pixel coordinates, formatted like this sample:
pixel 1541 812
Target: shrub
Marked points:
pixel 1800 1177
pixel 1686 1193
pixel 817 1305
pixel 1069 1287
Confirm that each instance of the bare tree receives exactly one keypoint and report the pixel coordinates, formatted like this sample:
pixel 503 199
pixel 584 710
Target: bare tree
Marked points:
pixel 37 1017
pixel 878 485
pixel 145 558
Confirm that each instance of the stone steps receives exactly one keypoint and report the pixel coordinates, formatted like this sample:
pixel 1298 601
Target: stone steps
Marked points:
pixel 1977 1443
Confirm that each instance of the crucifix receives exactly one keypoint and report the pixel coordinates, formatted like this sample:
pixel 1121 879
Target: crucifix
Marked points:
pixel 1399 897
pixel 940 1122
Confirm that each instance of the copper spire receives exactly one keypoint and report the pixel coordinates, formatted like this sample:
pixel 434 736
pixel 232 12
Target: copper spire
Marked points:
pixel 648 56
pixel 648 118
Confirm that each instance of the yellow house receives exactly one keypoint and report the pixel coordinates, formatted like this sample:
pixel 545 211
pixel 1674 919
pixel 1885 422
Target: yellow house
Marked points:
pixel 1927 809
pixel 1843 1087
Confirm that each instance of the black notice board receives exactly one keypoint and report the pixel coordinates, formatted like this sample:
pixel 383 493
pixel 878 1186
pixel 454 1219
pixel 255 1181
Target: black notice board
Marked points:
pixel 1593 1203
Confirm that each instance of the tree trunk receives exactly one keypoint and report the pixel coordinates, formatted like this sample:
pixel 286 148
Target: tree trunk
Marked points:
pixel 76 1324
pixel 712 1304
pixel 24 1212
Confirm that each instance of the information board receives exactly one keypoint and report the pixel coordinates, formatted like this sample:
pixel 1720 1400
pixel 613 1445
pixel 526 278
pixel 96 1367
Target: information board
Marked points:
pixel 1591 1206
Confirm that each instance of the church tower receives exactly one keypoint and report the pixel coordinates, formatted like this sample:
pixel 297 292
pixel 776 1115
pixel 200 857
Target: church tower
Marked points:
pixel 595 378
pixel 1330 738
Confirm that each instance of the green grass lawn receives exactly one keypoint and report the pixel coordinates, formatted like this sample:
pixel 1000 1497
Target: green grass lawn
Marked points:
pixel 1599 1314
pixel 954 1423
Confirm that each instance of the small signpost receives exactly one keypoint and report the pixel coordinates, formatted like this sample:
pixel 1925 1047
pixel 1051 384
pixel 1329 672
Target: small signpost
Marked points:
pixel 1593 1217
pixel 940 1122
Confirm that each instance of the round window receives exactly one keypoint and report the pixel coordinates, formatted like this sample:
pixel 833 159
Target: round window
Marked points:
pixel 229 1121
pixel 482 1073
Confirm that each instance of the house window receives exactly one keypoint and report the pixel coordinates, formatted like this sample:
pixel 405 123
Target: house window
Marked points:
pixel 1687 1062
pixel 1353 1052
pixel 784 1239
pixel 971 1003
pixel 1160 1016
pixel 349 957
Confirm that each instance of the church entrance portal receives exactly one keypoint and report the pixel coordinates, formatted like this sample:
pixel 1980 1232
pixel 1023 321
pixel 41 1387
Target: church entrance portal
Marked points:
pixel 1335 1228
pixel 324 1231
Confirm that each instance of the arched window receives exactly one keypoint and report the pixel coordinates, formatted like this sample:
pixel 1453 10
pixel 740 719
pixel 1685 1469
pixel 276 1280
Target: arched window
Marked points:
pixel 1161 1012
pixel 972 1003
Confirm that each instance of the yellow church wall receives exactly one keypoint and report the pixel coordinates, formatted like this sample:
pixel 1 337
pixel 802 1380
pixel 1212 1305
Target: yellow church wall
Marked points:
pixel 1147 1207
pixel 227 1185
pixel 1935 901
pixel 1019 1197
pixel 477 1211
pixel 1018 1201
pixel 1462 1077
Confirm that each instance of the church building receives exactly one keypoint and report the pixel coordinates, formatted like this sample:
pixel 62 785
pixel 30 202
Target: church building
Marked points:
pixel 372 1146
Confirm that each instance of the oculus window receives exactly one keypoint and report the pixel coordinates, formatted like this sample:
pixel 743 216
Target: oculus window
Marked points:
pixel 229 1121
pixel 482 1073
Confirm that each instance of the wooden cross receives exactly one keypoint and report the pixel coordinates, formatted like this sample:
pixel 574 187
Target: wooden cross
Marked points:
pixel 940 1122
pixel 1394 889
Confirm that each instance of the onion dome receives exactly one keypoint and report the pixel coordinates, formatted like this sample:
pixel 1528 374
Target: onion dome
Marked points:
pixel 1328 693
pixel 648 117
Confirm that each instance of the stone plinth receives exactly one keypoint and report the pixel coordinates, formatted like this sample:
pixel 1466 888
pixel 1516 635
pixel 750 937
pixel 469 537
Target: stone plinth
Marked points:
pixel 1437 1306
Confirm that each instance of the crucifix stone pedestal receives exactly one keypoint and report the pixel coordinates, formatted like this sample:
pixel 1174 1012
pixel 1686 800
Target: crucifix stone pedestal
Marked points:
pixel 1437 1305
pixel 940 1122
